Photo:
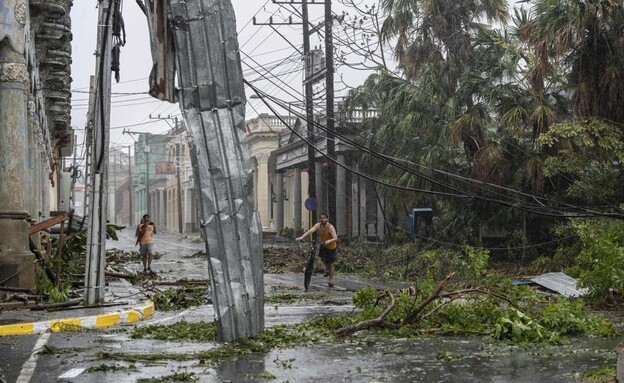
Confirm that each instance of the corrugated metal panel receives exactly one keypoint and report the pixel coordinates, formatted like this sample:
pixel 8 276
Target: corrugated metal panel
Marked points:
pixel 212 99
pixel 162 77
pixel 560 283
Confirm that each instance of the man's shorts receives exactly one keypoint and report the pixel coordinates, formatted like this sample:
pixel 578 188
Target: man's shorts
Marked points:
pixel 145 249
pixel 327 255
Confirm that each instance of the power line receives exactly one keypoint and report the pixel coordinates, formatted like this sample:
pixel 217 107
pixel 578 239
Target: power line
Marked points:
pixel 532 208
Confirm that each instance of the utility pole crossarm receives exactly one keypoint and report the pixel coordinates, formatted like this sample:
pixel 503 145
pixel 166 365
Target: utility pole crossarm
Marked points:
pixel 271 22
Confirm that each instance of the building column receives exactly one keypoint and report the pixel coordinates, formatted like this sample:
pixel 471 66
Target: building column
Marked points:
pixel 155 199
pixel 297 204
pixel 362 187
pixel 263 193
pixel 279 196
pixel 16 260
pixel 187 211
pixel 355 208
pixel 341 197
pixel 162 208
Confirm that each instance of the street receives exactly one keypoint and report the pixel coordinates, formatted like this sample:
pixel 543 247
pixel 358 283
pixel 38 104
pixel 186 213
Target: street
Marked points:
pixel 93 355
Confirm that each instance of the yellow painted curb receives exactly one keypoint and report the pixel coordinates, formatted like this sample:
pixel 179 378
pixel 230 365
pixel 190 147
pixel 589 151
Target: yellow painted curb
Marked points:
pixel 76 324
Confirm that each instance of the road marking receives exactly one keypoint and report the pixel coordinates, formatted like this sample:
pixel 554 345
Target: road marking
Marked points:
pixel 28 369
pixel 166 319
pixel 74 372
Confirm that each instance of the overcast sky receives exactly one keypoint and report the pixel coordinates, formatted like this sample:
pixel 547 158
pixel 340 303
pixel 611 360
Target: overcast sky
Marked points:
pixel 261 48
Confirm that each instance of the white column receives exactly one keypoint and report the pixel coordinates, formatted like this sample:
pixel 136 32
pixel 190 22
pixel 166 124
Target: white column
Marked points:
pixel 279 196
pixel 263 192
pixel 297 204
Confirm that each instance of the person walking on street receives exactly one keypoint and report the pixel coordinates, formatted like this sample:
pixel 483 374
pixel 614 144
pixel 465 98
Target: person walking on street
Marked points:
pixel 329 242
pixel 145 238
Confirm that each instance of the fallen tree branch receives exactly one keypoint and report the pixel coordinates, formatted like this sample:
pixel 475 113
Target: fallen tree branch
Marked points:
pixel 450 300
pixel 454 295
pixel 71 303
pixel 376 322
pixel 480 290
pixel 16 289
pixel 184 282
pixel 119 275
pixel 412 315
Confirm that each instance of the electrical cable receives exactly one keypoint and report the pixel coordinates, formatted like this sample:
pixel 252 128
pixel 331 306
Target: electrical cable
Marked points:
pixel 540 209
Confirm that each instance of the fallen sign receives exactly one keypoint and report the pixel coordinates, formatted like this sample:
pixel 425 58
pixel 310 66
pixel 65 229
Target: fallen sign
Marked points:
pixel 560 283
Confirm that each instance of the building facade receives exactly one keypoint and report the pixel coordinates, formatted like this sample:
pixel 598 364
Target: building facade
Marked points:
pixel 281 178
pixel 159 182
pixel 35 126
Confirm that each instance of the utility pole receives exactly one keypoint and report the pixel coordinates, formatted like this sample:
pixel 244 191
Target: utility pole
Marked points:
pixel 329 86
pixel 309 107
pixel 309 94
pixel 98 196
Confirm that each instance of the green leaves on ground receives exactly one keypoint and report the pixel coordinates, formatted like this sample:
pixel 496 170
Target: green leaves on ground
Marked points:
pixel 180 298
pixel 197 332
pixel 515 314
pixel 272 338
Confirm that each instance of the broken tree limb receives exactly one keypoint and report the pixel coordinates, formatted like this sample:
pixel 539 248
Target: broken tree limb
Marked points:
pixel 377 322
pixel 412 315
pixel 56 305
pixel 480 290
pixel 184 282
pixel 16 289
pixel 119 275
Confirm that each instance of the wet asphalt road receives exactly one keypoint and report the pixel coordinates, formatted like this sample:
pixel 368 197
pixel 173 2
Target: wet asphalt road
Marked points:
pixel 64 357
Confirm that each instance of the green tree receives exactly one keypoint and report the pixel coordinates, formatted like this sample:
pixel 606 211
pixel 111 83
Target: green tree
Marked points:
pixel 584 42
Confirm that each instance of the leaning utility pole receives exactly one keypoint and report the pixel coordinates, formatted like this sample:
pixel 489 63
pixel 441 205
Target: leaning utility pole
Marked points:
pixel 310 77
pixel 98 195
pixel 309 107
pixel 329 86
pixel 309 94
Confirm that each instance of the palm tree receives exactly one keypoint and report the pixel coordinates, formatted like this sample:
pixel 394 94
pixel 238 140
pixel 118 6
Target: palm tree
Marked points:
pixel 585 40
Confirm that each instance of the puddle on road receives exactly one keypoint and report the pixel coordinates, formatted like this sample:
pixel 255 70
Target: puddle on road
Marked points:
pixel 434 359
pixel 371 359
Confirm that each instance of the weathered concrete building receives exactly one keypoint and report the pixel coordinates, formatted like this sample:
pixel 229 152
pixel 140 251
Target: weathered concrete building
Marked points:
pixel 35 129
pixel 160 166
pixel 281 178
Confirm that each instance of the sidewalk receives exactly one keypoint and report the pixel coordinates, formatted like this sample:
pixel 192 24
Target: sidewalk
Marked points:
pixel 124 304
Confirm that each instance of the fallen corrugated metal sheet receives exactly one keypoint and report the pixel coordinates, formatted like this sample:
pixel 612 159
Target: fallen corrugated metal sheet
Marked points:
pixel 560 283
pixel 162 77
pixel 212 98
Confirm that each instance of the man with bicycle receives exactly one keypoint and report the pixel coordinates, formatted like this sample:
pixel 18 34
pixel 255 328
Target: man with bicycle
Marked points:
pixel 329 242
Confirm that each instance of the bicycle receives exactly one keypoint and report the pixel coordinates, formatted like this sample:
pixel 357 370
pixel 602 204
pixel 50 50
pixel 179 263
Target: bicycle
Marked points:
pixel 309 267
